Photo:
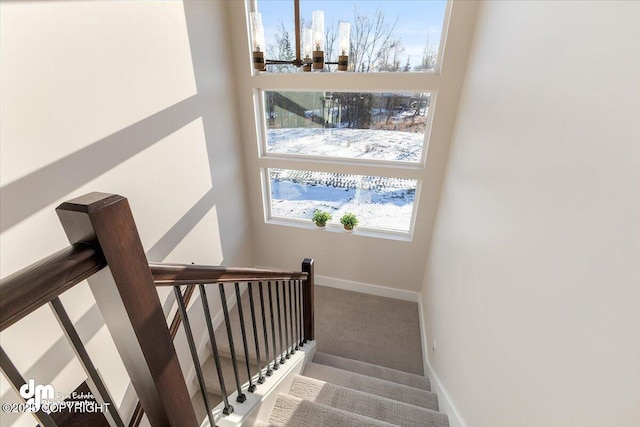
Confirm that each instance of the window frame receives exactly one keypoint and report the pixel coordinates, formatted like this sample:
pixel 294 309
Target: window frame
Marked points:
pixel 374 82
pixel 263 150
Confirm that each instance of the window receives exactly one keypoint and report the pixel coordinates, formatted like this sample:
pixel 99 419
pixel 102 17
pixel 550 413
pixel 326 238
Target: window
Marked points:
pixel 352 125
pixel 379 202
pixel 386 35
pixel 349 141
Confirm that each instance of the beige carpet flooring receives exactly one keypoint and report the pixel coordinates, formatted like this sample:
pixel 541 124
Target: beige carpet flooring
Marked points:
pixel 372 329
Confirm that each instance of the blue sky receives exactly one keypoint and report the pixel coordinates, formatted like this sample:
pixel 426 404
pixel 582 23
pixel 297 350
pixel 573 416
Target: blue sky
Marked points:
pixel 417 20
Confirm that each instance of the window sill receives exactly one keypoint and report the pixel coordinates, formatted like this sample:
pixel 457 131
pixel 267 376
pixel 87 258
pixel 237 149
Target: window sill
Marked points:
pixel 337 228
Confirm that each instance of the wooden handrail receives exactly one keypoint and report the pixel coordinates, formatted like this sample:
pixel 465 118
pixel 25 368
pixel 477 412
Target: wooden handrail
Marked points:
pixel 188 274
pixel 26 290
pixel 101 230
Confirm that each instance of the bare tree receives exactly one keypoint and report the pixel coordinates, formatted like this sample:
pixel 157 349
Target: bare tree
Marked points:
pixel 371 38
pixel 330 45
pixel 429 57
pixel 282 49
pixel 389 58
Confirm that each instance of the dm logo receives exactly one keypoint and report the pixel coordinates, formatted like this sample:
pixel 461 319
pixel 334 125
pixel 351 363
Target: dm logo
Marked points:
pixel 35 394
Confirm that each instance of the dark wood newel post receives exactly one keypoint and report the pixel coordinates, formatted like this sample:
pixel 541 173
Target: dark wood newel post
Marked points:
pixel 307 300
pixel 127 297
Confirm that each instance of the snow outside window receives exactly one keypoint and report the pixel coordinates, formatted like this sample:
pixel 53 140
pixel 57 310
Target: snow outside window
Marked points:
pixel 351 125
pixel 381 203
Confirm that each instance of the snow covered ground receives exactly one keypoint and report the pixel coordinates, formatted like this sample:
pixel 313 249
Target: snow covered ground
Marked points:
pixel 348 143
pixel 378 202
pixel 389 210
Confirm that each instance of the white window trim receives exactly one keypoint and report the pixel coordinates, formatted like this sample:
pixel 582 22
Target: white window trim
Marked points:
pixel 445 84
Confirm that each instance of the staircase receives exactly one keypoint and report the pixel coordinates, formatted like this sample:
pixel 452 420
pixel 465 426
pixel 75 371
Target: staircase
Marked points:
pixel 332 390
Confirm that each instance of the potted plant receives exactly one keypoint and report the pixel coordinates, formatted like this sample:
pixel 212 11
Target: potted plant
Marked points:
pixel 320 218
pixel 349 221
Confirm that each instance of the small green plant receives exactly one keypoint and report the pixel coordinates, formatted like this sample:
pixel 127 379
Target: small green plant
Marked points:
pixel 320 218
pixel 349 221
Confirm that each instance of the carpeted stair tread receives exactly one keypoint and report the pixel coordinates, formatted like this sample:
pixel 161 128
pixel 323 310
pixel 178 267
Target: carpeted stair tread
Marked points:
pixel 291 411
pixel 369 405
pixel 211 375
pixel 383 388
pixel 412 380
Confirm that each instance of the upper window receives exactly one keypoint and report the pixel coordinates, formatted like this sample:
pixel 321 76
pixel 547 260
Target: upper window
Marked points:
pixel 386 35
pixel 351 125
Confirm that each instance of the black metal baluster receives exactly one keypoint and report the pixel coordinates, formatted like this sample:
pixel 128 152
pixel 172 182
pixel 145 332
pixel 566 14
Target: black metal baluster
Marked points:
pixel 286 326
pixel 17 381
pixel 295 305
pixel 228 409
pixel 194 352
pixel 293 342
pixel 96 385
pixel 302 340
pixel 255 334
pixel 273 329
pixel 280 324
pixel 227 321
pixel 252 386
pixel 264 327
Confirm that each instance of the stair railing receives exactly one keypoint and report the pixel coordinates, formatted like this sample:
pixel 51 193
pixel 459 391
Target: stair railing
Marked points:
pixel 102 233
pixel 278 303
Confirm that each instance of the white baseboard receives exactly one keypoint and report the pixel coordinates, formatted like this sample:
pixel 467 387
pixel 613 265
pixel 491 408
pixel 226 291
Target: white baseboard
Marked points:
pixel 366 288
pixel 445 402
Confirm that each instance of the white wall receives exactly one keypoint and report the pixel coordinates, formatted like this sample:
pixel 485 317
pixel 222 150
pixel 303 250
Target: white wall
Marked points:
pixel 123 97
pixel 532 288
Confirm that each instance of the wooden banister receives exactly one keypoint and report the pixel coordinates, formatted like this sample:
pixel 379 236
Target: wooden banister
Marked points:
pixel 127 297
pixel 189 274
pixel 26 290
pixel 102 233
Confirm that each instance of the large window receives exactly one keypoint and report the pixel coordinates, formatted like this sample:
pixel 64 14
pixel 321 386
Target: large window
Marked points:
pixel 347 142
pixel 352 125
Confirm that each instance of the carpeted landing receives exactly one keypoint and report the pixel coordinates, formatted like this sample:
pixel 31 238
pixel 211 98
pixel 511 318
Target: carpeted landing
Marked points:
pixel 367 370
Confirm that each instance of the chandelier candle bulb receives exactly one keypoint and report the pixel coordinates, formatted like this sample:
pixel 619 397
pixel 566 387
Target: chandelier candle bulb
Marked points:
pixel 257 38
pixel 318 39
pixel 307 47
pixel 344 43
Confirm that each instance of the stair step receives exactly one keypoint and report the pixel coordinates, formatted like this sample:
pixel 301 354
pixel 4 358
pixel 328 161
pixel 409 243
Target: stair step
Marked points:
pixel 211 375
pixel 412 380
pixel 372 406
pixel 383 388
pixel 292 411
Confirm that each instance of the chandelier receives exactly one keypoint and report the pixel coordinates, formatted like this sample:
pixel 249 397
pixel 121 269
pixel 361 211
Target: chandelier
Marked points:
pixel 309 53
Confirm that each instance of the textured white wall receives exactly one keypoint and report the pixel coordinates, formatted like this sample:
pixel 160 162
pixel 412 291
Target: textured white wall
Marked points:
pixel 532 288
pixel 131 98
